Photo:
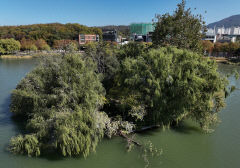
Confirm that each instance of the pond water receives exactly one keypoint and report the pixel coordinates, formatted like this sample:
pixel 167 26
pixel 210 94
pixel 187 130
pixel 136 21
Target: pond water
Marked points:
pixel 184 147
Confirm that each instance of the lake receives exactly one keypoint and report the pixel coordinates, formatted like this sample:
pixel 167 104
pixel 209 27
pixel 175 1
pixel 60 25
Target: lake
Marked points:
pixel 184 147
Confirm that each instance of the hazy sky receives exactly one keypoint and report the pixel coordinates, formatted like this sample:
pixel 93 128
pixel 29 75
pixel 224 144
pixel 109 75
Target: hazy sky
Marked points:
pixel 105 12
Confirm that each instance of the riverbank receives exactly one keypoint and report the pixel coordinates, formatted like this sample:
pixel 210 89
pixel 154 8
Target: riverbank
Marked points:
pixel 220 59
pixel 29 55
pixel 228 61
pixel 16 57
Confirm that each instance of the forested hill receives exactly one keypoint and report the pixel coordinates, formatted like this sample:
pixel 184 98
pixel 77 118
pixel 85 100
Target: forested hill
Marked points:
pixel 47 32
pixel 227 22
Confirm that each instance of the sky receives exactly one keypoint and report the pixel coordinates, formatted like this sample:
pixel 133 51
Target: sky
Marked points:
pixel 106 12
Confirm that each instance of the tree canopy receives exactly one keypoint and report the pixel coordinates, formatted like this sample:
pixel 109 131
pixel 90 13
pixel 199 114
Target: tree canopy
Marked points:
pixel 168 85
pixel 59 100
pixel 182 29
pixel 47 32
pixel 8 46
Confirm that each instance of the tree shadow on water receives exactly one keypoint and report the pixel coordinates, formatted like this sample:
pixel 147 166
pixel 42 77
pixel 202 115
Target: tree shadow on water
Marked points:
pixel 183 128
pixel 5 114
pixel 186 128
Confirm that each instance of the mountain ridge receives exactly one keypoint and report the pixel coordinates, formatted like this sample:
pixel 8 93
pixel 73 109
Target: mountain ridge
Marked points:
pixel 231 21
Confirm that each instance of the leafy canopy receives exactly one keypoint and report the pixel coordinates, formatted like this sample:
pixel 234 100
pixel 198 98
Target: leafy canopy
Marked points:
pixel 60 101
pixel 9 46
pixel 169 85
pixel 182 29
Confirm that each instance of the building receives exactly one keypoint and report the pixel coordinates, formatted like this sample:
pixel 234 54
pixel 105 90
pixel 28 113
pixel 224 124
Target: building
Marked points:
pixel 142 32
pixel 110 35
pixel 227 39
pixel 141 28
pixel 225 31
pixel 210 36
pixel 86 38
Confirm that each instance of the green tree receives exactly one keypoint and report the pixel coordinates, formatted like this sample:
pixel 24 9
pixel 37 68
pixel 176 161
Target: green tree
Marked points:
pixel 169 85
pixel 182 29
pixel 9 46
pixel 59 100
pixel 47 32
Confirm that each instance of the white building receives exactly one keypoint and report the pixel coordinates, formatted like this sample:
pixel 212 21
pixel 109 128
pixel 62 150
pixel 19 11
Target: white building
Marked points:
pixel 225 31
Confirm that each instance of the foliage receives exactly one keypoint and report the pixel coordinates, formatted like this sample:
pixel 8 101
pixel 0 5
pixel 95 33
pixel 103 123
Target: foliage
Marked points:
pixel 65 45
pixel 131 50
pixel 42 45
pixel 207 46
pixel 47 32
pixel 182 29
pixel 28 45
pixel 104 54
pixel 8 46
pixel 170 85
pixel 231 49
pixel 59 100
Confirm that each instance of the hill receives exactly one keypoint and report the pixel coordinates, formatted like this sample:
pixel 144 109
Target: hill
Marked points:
pixel 227 22
pixel 48 32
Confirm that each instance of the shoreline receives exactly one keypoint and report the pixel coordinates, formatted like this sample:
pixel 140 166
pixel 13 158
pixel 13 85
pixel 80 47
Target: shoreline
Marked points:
pixel 16 57
pixel 224 60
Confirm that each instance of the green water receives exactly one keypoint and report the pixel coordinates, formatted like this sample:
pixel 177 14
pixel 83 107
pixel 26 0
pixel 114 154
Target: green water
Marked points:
pixel 185 147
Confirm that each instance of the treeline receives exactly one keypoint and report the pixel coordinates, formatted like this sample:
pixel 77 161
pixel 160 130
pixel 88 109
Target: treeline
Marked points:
pixel 11 46
pixel 47 32
pixel 222 49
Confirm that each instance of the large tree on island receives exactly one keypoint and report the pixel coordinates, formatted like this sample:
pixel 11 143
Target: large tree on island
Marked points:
pixel 182 29
pixel 168 85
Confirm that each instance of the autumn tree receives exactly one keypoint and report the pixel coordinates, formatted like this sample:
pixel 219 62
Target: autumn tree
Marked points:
pixel 28 45
pixel 42 45
pixel 64 44
pixel 48 32
pixel 207 46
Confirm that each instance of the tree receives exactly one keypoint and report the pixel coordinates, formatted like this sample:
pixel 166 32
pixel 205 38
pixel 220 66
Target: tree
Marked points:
pixel 131 50
pixel 9 46
pixel 182 29
pixel 217 48
pixel 232 48
pixel 168 85
pixel 48 32
pixel 28 45
pixel 42 45
pixel 60 101
pixel 207 46
pixel 64 44
pixel 105 56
